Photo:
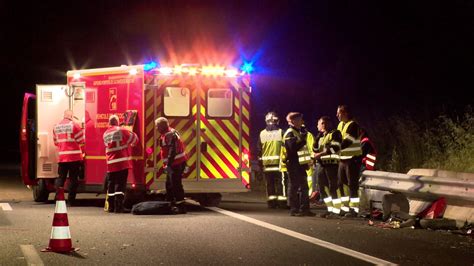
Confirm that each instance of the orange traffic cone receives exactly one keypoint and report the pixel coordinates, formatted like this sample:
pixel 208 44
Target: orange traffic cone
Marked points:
pixel 60 240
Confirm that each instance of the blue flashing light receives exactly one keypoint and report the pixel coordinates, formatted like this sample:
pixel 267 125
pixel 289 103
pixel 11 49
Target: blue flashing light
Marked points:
pixel 149 66
pixel 247 67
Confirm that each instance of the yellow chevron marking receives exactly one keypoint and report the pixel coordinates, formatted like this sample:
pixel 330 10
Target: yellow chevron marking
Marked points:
pixel 245 111
pixel 231 128
pixel 150 127
pixel 246 177
pixel 149 143
pixel 148 95
pixel 220 147
pixel 246 97
pixel 149 111
pixel 221 163
pixel 245 128
pixel 149 177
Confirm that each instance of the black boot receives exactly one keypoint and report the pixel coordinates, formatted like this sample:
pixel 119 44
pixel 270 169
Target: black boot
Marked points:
pixel 111 204
pixel 119 203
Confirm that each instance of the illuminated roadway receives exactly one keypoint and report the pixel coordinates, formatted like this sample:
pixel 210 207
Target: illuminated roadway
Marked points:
pixel 241 231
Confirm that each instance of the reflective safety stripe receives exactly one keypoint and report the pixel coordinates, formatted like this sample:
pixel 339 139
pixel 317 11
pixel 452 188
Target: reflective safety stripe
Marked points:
pixel 349 137
pixel 370 156
pixel 336 143
pixel 273 157
pixel 119 193
pixel 272 197
pixel 80 139
pixel 356 209
pixel 70 152
pixel 119 160
pixel 274 168
pixel 282 198
pixel 345 157
pixel 336 201
pixel 111 194
pixel 79 134
pixel 345 199
pixel 332 150
pixel 65 140
pixel 165 160
pixel 60 207
pixel 330 208
pixel 355 200
pixel 352 149
pixel 346 209
pixel 116 148
pixel 60 232
pixel 336 210
pixel 328 199
pixel 370 163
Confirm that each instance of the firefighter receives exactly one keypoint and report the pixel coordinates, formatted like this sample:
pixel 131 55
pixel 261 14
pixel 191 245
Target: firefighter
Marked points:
pixel 297 161
pixel 118 141
pixel 174 162
pixel 68 136
pixel 350 163
pixel 269 148
pixel 326 152
pixel 369 153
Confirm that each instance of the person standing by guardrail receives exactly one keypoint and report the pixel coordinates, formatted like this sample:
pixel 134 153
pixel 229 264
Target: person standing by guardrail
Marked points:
pixel 369 153
pixel 350 163
pixel 326 152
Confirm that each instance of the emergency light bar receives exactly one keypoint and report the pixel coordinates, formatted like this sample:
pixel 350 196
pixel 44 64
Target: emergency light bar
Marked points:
pixel 193 70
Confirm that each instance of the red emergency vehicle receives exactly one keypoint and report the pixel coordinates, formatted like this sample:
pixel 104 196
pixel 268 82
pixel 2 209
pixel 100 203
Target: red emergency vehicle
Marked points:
pixel 208 105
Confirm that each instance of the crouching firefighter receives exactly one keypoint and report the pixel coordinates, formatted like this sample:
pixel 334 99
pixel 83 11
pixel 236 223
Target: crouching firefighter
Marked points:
pixel 174 162
pixel 269 148
pixel 118 141
pixel 326 152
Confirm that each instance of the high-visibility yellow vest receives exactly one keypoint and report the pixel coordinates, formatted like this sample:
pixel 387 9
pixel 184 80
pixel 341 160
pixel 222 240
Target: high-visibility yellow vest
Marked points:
pixel 354 149
pixel 332 158
pixel 304 156
pixel 271 147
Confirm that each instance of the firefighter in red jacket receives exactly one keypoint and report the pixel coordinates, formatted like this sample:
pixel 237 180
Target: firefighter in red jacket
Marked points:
pixel 68 136
pixel 118 141
pixel 174 158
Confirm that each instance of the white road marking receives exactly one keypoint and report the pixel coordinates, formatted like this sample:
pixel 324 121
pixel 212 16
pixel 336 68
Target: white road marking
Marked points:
pixel 306 238
pixel 5 206
pixel 31 255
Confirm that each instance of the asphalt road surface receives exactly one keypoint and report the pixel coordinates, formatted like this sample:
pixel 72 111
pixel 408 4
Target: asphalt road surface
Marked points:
pixel 241 231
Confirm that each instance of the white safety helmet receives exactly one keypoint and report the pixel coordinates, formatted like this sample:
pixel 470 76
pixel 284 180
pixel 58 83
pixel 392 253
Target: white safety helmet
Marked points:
pixel 271 118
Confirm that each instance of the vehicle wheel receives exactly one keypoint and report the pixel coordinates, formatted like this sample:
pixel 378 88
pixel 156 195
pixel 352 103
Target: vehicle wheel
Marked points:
pixel 40 191
pixel 209 199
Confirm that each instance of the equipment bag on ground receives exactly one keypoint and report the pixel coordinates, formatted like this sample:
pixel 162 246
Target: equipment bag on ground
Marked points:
pixel 153 207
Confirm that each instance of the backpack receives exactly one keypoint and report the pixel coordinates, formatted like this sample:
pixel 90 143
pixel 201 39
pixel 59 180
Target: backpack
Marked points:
pixel 153 207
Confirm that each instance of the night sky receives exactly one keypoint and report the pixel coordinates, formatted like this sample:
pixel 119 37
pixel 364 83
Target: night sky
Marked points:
pixel 380 58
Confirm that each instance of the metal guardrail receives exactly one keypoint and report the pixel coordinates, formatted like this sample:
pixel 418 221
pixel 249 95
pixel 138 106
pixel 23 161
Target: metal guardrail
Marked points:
pixel 459 186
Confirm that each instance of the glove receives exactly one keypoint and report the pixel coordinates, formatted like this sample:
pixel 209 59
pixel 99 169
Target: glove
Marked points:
pixel 168 170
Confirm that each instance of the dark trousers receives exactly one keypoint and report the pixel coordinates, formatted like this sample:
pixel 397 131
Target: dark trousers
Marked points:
pixel 71 168
pixel 349 176
pixel 275 184
pixel 116 186
pixel 298 183
pixel 174 184
pixel 327 178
